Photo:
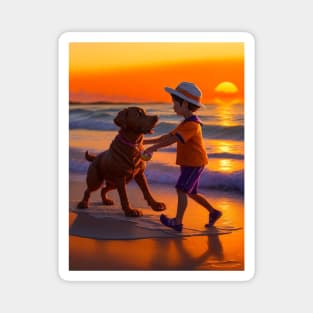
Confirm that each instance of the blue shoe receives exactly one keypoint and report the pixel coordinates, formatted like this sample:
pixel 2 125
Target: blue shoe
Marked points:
pixel 170 222
pixel 213 218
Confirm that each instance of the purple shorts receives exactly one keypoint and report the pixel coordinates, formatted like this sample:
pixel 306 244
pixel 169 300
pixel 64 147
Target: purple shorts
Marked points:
pixel 188 180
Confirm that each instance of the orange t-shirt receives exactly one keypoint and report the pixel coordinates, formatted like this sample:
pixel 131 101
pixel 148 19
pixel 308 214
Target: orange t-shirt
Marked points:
pixel 190 146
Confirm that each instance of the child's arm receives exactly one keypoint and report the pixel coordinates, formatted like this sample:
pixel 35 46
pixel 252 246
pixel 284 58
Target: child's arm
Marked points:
pixel 163 141
pixel 155 140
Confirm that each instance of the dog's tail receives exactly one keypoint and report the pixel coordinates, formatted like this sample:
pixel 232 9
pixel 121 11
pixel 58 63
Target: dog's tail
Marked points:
pixel 89 157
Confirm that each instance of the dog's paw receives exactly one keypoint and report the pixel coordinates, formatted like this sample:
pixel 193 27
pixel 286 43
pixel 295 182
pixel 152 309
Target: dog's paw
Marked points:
pixel 133 213
pixel 108 202
pixel 158 206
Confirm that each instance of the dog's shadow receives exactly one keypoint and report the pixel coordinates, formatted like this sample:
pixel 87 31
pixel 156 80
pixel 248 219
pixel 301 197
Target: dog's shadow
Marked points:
pixel 110 228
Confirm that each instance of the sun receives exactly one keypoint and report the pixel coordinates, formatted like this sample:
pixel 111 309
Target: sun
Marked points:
pixel 226 88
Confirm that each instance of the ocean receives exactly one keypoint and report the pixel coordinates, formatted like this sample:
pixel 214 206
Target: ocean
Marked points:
pixel 92 128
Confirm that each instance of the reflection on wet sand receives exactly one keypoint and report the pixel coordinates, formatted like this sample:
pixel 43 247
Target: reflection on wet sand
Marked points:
pixel 187 253
pixel 209 252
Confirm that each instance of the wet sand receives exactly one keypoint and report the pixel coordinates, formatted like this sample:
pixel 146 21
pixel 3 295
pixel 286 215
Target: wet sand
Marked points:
pixel 209 252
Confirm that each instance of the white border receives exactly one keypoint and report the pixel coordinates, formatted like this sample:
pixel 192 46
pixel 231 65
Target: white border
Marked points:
pixel 249 177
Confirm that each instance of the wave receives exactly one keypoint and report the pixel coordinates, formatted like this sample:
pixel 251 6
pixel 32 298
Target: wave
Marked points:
pixel 165 174
pixel 87 111
pixel 101 118
pixel 92 125
pixel 209 131
pixel 224 132
pixel 90 114
pixel 226 156
pixel 84 113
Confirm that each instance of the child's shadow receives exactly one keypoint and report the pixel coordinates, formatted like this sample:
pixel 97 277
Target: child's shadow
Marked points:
pixel 215 247
pixel 184 256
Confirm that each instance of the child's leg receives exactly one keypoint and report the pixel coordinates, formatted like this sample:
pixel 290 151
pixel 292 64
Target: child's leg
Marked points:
pixel 214 214
pixel 199 198
pixel 184 184
pixel 176 222
pixel 181 206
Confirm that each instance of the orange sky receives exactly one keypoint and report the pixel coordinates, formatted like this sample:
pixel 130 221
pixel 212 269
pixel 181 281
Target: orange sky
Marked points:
pixel 138 72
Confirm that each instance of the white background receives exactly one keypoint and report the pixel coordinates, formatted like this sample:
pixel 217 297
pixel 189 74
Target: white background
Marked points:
pixel 28 129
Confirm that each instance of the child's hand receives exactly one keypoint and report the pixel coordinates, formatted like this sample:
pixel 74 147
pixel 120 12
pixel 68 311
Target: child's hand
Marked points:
pixel 150 150
pixel 146 156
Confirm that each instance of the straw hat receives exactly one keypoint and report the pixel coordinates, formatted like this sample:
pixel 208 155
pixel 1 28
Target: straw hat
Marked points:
pixel 187 91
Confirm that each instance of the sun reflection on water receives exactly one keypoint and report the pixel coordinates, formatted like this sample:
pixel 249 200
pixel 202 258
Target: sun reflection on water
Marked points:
pixel 225 147
pixel 225 165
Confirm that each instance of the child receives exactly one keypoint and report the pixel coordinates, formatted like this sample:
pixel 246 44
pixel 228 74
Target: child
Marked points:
pixel 191 154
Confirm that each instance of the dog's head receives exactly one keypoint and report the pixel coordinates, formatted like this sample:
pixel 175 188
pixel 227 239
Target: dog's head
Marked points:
pixel 135 119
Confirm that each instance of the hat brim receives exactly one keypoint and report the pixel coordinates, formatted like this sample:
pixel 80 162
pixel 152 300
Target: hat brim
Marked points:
pixel 180 95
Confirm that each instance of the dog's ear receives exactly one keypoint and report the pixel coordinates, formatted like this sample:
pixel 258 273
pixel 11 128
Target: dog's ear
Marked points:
pixel 121 119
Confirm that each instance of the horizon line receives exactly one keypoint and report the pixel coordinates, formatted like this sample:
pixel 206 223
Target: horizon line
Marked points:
pixel 136 103
pixel 116 102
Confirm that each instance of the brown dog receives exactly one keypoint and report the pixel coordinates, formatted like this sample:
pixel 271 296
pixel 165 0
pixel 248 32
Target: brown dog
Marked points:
pixel 122 162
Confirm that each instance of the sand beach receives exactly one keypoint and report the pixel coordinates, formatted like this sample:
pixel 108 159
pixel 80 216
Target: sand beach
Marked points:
pixel 95 244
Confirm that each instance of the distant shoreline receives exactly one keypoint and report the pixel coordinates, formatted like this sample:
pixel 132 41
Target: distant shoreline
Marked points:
pixel 133 103
pixel 113 103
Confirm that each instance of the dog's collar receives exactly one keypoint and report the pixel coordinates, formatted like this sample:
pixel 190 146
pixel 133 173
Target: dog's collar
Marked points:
pixel 124 140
